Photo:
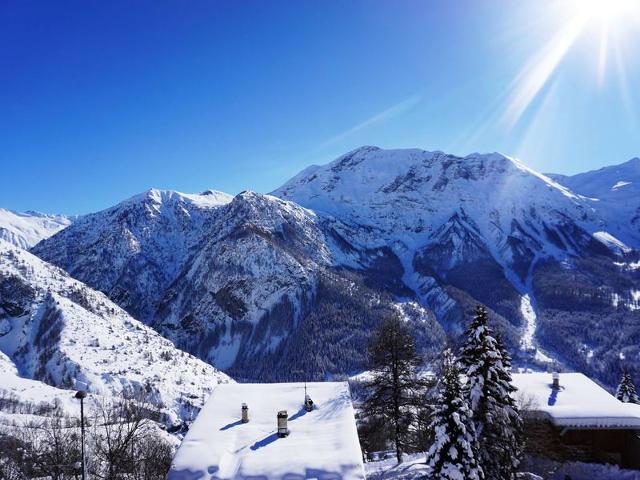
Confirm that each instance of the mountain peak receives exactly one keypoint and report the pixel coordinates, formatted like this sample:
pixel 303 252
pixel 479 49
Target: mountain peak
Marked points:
pixel 26 229
pixel 207 199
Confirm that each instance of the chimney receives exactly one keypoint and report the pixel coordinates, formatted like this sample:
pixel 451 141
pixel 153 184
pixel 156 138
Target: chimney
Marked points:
pixel 283 431
pixel 308 403
pixel 245 413
pixel 555 376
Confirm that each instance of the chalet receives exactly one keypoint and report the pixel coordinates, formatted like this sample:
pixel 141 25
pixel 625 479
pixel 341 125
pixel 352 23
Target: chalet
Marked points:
pixel 288 431
pixel 571 418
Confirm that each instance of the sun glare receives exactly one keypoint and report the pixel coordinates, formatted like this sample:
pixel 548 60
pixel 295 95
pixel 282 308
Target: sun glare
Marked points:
pixel 606 10
pixel 613 20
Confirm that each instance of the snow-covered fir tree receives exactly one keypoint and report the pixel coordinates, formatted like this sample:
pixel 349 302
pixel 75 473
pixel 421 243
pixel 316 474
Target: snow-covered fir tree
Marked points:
pixel 454 452
pixel 627 390
pixel 510 434
pixel 498 425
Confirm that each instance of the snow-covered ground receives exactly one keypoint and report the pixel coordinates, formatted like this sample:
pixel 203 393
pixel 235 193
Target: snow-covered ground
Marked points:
pixel 25 400
pixel 412 467
pixel 526 342
pixel 551 470
pixel 594 471
pixel 322 444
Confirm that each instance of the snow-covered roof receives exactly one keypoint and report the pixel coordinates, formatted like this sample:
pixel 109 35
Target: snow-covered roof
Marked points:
pixel 578 403
pixel 322 444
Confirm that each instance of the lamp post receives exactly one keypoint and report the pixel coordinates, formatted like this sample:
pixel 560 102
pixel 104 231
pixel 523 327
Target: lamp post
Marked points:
pixel 81 395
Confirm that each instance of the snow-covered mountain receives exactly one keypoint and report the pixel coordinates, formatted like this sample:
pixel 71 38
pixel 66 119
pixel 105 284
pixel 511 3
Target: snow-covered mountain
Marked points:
pixel 486 228
pixel 239 284
pixel 263 255
pixel 288 285
pixel 56 330
pixel 614 193
pixel 449 219
pixel 26 229
pixel 133 251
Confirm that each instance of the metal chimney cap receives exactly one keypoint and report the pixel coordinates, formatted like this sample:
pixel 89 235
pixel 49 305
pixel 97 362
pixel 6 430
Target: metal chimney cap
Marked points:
pixel 283 414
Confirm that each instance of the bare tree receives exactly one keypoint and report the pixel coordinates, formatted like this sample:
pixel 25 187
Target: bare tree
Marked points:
pixel 125 440
pixel 46 448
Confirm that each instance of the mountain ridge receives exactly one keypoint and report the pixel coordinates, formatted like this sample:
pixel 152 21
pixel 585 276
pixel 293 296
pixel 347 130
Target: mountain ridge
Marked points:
pixel 240 283
pixel 25 229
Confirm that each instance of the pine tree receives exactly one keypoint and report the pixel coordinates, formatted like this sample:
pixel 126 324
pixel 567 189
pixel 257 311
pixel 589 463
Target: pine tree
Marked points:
pixel 498 425
pixel 510 434
pixel 627 390
pixel 454 452
pixel 395 384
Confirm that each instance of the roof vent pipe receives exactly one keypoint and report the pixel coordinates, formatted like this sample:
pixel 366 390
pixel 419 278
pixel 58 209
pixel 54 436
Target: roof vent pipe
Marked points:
pixel 308 403
pixel 555 376
pixel 245 413
pixel 283 431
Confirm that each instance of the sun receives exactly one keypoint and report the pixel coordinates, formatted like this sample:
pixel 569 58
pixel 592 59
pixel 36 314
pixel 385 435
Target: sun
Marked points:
pixel 614 22
pixel 606 10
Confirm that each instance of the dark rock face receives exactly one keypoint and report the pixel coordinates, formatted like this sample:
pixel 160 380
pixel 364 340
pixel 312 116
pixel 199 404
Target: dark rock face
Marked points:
pixel 15 297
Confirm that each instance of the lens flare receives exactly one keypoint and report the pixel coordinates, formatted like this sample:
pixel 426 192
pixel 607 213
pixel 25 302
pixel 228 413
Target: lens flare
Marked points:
pixel 612 16
pixel 605 10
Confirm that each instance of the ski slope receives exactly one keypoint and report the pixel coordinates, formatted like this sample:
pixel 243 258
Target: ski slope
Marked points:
pixel 322 443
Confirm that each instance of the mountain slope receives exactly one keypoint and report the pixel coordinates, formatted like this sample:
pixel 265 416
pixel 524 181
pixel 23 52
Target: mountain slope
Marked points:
pixel 133 251
pixel 24 230
pixel 262 255
pixel 615 194
pixel 238 284
pixel 59 331
pixel 19 395
pixel 449 218
pixel 486 228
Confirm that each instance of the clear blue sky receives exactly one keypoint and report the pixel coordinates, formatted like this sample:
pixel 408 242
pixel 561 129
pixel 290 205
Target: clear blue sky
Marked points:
pixel 100 100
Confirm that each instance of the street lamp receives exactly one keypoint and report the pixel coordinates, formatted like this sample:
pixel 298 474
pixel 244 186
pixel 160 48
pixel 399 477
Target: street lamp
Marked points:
pixel 81 395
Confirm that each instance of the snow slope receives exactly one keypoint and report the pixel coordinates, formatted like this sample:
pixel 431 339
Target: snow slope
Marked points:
pixel 26 229
pixel 24 391
pixel 614 193
pixel 134 250
pixel 322 443
pixel 264 253
pixel 59 331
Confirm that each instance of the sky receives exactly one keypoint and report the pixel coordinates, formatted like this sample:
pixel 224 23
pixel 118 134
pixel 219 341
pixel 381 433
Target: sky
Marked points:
pixel 102 100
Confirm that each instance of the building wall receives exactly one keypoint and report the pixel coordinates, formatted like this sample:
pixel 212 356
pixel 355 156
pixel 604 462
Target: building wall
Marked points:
pixel 619 447
pixel 631 454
